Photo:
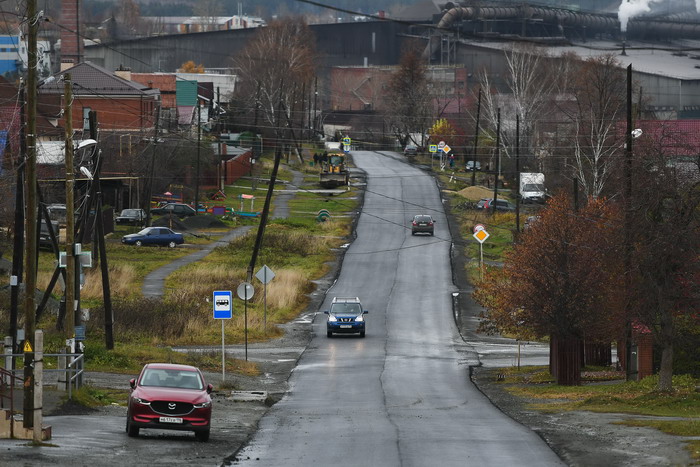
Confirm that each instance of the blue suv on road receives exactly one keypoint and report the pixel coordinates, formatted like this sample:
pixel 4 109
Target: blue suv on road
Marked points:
pixel 346 316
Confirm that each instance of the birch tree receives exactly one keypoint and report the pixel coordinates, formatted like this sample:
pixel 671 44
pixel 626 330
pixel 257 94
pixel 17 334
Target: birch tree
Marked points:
pixel 530 84
pixel 597 89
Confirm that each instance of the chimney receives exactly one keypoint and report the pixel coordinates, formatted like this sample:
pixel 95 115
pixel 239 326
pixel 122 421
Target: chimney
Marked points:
pixel 71 42
pixel 123 72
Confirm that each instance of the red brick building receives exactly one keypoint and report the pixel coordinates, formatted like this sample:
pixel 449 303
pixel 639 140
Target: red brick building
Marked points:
pixel 365 88
pixel 121 104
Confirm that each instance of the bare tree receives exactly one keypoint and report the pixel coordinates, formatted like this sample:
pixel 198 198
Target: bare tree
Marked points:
pixel 595 90
pixel 208 11
pixel 530 84
pixel 409 98
pixel 128 22
pixel 275 66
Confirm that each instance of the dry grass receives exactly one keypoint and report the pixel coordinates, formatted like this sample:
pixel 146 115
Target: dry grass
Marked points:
pixel 216 275
pixel 121 278
pixel 284 290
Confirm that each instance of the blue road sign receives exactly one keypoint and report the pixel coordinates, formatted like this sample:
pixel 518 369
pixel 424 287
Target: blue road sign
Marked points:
pixel 223 304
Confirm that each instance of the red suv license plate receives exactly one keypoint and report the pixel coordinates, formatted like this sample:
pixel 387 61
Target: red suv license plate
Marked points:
pixel 170 420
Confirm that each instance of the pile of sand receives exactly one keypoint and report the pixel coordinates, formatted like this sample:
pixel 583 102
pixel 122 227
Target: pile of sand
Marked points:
pixel 475 193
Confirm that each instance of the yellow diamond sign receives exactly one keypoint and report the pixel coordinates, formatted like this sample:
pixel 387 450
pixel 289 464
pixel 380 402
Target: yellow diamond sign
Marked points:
pixel 481 235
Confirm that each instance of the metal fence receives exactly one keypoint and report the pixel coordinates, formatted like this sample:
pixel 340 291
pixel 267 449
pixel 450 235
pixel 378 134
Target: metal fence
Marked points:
pixel 69 365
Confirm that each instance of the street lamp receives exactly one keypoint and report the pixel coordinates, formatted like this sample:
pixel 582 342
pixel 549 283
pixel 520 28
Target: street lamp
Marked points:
pixel 86 143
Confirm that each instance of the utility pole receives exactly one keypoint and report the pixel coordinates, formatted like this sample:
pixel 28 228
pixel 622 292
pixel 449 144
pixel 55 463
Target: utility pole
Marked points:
pixel 199 150
pixel 149 185
pixel 18 244
pixel 476 138
pixel 31 206
pixel 268 197
pixel 628 231
pixel 517 172
pixel 104 267
pixel 498 160
pixel 70 210
pixel 315 103
pixel 303 110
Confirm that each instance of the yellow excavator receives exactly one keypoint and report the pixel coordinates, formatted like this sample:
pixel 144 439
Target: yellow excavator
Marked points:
pixel 334 173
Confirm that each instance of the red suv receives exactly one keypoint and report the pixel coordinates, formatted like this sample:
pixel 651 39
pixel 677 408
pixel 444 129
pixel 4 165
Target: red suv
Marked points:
pixel 170 397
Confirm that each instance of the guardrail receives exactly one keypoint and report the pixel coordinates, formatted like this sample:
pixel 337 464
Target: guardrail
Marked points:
pixel 74 369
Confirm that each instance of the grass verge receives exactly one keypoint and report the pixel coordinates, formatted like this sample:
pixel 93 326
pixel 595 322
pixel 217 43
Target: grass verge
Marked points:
pixel 89 396
pixel 603 392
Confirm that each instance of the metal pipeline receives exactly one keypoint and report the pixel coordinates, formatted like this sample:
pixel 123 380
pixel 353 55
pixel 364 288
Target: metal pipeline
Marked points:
pixel 662 28
pixel 562 17
pixel 567 18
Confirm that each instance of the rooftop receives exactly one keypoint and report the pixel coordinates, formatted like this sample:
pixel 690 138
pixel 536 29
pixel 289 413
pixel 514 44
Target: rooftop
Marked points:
pixel 679 60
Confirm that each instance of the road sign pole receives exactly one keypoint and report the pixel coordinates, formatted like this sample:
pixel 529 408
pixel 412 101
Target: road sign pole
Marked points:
pixel 481 261
pixel 223 353
pixel 223 310
pixel 245 313
pixel 265 308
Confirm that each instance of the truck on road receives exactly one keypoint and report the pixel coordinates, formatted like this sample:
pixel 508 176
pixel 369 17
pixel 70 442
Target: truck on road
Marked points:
pixel 532 188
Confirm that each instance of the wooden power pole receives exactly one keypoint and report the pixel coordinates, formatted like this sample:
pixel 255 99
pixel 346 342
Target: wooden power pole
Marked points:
pixel 31 216
pixel 70 207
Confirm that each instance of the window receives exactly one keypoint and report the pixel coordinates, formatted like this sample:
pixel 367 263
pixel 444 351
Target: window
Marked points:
pixel 86 118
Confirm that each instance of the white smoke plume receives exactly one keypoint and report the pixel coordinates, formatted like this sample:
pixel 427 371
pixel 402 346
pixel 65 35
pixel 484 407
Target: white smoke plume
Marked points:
pixel 631 8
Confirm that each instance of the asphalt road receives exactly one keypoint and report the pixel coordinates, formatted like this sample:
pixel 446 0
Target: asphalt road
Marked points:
pixel 402 395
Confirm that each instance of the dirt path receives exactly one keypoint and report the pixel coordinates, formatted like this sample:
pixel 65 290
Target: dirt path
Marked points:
pixel 154 283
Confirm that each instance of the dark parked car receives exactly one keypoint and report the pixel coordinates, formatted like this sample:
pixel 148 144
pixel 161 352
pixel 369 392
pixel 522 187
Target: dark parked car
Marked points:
pixel 176 209
pixel 45 236
pixel 346 316
pixel 161 236
pixel 170 397
pixel 471 165
pixel 131 217
pixel 501 204
pixel 422 223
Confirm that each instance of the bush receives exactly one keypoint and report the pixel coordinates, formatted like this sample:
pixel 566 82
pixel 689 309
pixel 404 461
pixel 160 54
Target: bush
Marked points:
pixel 165 319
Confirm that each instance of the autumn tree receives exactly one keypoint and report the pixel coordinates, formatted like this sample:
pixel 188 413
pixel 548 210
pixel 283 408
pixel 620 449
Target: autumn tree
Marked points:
pixel 408 99
pixel 191 67
pixel 557 283
pixel 277 69
pixel 442 130
pixel 666 233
